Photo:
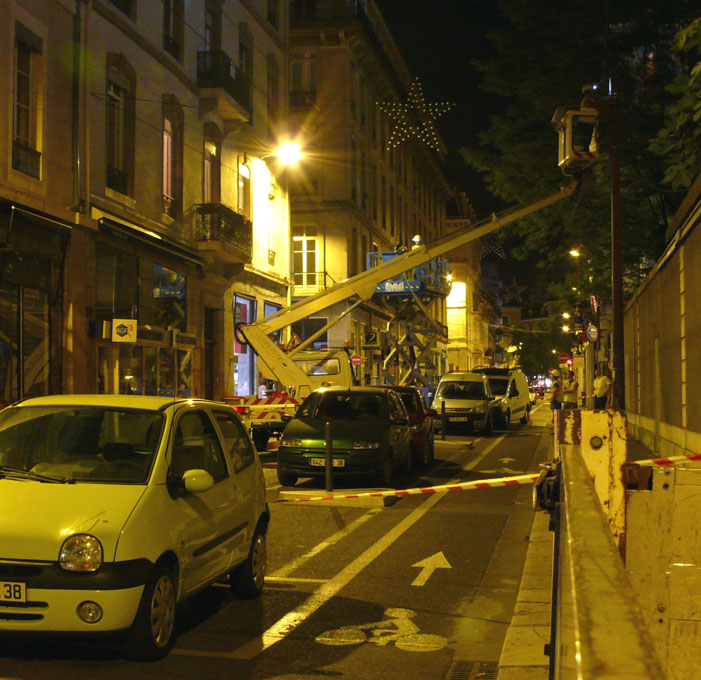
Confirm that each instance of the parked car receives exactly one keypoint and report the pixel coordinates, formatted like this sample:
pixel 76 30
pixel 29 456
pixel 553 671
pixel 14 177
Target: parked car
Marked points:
pixel 116 508
pixel 421 420
pixel 467 400
pixel 510 389
pixel 370 435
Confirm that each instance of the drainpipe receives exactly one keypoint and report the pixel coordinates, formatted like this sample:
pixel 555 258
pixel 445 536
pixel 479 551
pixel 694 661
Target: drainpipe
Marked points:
pixel 78 104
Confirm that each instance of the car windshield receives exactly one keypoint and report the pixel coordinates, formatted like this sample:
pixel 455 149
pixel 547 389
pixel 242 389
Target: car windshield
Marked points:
pixel 411 401
pixel 498 385
pixel 461 389
pixel 319 366
pixel 342 406
pixel 81 443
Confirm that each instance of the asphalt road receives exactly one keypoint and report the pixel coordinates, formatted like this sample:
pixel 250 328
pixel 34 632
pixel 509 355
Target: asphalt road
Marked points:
pixel 422 589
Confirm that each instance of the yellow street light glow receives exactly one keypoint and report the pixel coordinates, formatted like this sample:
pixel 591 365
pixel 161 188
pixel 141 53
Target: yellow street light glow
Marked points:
pixel 565 328
pixel 575 253
pixel 565 315
pixel 554 351
pixel 289 153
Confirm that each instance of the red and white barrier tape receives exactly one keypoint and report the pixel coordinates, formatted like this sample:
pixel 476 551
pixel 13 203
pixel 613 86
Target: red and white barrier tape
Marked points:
pixel 461 486
pixel 673 460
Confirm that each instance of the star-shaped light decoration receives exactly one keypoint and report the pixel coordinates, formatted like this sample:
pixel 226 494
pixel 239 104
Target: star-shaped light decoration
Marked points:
pixel 513 292
pixel 414 118
pixel 492 244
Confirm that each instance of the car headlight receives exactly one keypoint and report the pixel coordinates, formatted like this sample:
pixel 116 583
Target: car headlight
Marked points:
pixel 290 442
pixel 81 552
pixel 366 445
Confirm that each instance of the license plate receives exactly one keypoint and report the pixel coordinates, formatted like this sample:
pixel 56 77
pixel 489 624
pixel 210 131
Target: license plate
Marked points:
pixel 321 462
pixel 459 419
pixel 13 592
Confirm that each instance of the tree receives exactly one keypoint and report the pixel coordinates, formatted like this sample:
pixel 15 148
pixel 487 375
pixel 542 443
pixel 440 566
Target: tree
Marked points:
pixel 543 56
pixel 679 140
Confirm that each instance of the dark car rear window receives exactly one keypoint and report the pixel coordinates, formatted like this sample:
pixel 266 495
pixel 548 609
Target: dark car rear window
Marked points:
pixel 343 406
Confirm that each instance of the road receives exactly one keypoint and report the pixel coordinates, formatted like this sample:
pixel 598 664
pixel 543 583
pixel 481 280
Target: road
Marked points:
pixel 421 589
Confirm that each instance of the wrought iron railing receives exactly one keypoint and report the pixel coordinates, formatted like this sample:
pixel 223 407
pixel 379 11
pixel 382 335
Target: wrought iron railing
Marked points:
pixel 26 160
pixel 218 222
pixel 216 69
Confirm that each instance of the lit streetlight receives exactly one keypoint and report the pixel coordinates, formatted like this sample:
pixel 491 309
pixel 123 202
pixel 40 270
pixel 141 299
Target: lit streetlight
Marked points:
pixel 575 253
pixel 565 315
pixel 289 153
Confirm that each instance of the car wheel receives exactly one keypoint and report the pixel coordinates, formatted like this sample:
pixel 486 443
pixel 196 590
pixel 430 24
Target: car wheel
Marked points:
pixel 284 477
pixel 151 635
pixel 506 420
pixel 527 417
pixel 487 424
pixel 248 579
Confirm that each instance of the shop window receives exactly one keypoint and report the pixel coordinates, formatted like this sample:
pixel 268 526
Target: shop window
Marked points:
pixel 117 289
pixel 169 298
pixel 244 368
pixel 24 343
pixel 269 308
pixel 28 91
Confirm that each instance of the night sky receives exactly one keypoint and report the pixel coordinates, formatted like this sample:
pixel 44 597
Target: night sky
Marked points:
pixel 439 40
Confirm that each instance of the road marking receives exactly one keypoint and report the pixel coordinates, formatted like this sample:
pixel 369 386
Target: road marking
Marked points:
pixel 290 567
pixel 428 566
pixel 288 579
pixel 293 619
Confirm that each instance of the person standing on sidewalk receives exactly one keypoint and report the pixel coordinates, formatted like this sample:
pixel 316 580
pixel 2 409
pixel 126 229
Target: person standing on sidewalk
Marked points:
pixel 570 387
pixel 556 394
pixel 602 389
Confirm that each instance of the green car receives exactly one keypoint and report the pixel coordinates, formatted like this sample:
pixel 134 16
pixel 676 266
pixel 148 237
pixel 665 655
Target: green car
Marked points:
pixel 370 434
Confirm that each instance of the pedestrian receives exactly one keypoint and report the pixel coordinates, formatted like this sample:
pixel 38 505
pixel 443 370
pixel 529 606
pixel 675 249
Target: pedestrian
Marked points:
pixel 556 393
pixel 570 387
pixel 602 388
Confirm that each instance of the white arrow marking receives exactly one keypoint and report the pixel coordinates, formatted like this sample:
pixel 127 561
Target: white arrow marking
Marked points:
pixel 507 460
pixel 428 566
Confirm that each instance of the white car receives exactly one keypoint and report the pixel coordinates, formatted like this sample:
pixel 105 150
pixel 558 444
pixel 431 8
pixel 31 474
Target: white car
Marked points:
pixel 114 508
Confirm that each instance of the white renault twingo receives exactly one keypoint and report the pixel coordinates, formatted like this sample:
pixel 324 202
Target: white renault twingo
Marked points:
pixel 114 508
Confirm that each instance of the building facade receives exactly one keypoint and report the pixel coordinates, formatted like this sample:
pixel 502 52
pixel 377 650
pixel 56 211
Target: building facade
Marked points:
pixel 357 194
pixel 142 210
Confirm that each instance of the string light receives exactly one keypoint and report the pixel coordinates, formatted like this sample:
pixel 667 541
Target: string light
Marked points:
pixel 492 244
pixel 414 118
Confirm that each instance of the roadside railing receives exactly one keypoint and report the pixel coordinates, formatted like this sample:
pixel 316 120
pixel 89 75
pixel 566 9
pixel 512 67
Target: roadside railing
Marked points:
pixel 598 631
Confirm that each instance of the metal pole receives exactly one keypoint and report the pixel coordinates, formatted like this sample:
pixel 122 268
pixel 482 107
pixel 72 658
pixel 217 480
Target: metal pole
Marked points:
pixel 329 457
pixel 616 261
pixel 444 421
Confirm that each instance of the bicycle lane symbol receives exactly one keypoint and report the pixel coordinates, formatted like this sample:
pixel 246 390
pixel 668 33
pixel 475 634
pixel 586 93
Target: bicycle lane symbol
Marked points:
pixel 397 627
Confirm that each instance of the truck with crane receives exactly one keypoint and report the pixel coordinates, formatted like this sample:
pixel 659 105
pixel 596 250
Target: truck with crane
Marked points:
pixel 299 371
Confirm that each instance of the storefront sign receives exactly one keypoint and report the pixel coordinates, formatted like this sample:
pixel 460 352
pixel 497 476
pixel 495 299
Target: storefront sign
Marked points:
pixel 124 330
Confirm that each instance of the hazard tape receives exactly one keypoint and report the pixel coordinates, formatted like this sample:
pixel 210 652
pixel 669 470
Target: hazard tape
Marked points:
pixel 461 486
pixel 665 462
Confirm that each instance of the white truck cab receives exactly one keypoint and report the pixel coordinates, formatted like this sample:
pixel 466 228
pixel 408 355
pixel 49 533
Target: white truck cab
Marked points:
pixel 510 389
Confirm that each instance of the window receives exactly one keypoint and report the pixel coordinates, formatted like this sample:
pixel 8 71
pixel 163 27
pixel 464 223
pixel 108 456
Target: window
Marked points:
pixel 212 27
pixel 125 6
pixel 120 104
pixel 308 327
pixel 273 95
pixel 304 259
pixel 172 157
pixel 237 443
pixel 169 298
pixel 246 55
pixel 211 173
pixel 26 156
pixel 173 27
pixel 303 80
pixel 117 276
pixel 244 189
pixel 196 447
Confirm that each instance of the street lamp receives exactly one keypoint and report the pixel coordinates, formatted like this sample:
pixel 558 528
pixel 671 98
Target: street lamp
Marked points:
pixel 565 315
pixel 575 253
pixel 289 153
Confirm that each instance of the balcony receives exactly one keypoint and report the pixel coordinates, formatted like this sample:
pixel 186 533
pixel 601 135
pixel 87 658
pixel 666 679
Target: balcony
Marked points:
pixel 26 160
pixel 223 90
pixel 222 234
pixel 310 283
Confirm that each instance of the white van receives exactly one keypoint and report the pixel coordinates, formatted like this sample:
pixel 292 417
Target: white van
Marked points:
pixel 464 397
pixel 510 389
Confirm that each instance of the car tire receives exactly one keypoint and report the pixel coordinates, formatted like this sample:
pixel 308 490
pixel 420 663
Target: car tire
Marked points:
pixel 506 420
pixel 151 636
pixel 248 579
pixel 286 478
pixel 527 417
pixel 487 429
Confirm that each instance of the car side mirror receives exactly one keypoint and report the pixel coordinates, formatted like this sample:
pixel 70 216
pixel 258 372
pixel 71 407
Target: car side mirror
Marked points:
pixel 431 412
pixel 197 481
pixel 286 417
